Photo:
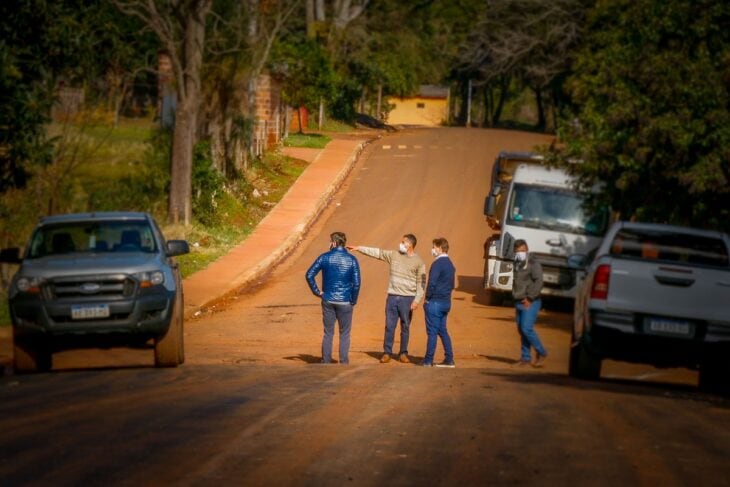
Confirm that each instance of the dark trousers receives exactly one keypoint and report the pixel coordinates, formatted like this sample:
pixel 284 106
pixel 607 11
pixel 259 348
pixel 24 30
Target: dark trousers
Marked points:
pixel 397 307
pixel 342 313
pixel 436 313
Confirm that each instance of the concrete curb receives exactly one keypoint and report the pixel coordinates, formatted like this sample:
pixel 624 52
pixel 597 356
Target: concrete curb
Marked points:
pixel 254 275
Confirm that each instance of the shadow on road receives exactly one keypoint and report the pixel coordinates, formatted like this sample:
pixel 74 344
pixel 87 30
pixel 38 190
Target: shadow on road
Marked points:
pixel 474 285
pixel 504 360
pixel 306 358
pixel 620 386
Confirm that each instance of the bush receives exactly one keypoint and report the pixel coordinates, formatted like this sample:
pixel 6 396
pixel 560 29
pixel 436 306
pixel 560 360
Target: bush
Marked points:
pixel 208 185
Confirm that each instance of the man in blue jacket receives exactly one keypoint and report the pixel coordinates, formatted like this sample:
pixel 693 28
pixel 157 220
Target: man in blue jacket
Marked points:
pixel 441 281
pixel 340 288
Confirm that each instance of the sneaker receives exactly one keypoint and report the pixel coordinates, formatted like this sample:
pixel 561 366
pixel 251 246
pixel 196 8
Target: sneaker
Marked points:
pixel 450 364
pixel 539 361
pixel 403 358
pixel 385 358
pixel 426 364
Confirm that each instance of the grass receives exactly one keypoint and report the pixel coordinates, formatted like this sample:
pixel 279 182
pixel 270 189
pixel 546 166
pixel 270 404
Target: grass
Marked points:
pixel 311 141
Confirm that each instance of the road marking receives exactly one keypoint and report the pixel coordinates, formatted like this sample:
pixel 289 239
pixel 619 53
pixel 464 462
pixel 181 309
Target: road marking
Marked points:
pixel 402 146
pixel 405 155
pixel 418 147
pixel 386 147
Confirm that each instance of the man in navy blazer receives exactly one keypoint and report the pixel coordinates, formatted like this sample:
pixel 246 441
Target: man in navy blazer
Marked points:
pixel 340 288
pixel 441 281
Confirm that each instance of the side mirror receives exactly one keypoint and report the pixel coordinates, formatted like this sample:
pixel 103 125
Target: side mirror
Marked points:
pixel 10 256
pixel 490 204
pixel 578 261
pixel 177 247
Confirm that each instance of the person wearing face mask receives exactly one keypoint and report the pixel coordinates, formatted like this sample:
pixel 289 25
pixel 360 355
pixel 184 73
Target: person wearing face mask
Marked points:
pixel 526 287
pixel 441 280
pixel 405 291
pixel 340 289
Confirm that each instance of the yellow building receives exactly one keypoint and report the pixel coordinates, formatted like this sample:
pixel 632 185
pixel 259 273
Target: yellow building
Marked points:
pixel 429 107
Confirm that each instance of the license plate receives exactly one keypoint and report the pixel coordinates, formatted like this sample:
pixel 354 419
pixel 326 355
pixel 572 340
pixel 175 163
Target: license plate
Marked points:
pixel 551 278
pixel 663 326
pixel 90 312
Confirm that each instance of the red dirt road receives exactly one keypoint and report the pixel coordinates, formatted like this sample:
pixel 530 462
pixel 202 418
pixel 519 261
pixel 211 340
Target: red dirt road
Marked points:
pixel 252 407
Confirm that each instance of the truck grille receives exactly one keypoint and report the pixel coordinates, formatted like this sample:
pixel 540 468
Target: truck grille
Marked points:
pixel 556 274
pixel 115 285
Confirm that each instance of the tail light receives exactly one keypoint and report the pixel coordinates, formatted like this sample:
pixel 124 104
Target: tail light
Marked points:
pixel 599 289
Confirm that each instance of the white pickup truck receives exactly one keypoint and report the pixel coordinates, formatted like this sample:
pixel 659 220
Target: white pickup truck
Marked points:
pixel 656 294
pixel 530 201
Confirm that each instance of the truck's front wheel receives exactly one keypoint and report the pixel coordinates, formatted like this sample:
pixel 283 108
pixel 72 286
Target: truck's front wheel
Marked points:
pixel 30 357
pixel 169 349
pixel 714 374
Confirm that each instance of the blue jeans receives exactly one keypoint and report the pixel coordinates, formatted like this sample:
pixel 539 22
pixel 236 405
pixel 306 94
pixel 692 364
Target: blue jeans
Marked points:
pixel 343 314
pixel 397 307
pixel 526 327
pixel 436 312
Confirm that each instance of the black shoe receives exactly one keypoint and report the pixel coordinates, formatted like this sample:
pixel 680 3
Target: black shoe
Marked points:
pixel 426 364
pixel 450 364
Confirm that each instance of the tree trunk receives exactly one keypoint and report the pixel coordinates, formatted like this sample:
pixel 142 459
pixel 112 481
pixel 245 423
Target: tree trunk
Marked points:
pixel 503 89
pixel 540 109
pixel 379 109
pixel 183 140
pixel 186 116
pixel 311 26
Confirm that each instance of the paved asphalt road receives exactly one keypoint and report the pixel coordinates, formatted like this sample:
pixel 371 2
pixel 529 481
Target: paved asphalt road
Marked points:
pixel 252 407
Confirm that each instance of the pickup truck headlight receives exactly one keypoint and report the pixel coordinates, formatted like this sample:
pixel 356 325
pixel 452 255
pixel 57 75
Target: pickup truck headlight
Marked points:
pixel 30 285
pixel 505 267
pixel 149 279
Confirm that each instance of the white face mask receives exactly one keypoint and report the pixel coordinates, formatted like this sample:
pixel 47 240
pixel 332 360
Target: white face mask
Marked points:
pixel 434 252
pixel 402 248
pixel 520 256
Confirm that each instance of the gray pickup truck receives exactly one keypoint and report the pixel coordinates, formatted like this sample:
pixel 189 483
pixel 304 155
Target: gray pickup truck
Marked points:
pixel 96 280
pixel 656 294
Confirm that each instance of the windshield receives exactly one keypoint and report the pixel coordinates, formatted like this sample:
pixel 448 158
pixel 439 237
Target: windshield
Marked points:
pixel 92 237
pixel 553 209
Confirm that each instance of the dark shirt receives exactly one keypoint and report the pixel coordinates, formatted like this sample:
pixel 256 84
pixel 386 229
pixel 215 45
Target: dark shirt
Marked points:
pixel 340 276
pixel 441 279
pixel 527 280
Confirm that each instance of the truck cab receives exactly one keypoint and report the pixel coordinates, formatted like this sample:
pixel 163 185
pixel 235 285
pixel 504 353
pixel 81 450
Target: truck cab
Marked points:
pixel 539 204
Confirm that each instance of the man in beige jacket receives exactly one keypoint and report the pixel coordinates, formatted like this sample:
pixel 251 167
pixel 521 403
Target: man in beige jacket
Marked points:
pixel 405 291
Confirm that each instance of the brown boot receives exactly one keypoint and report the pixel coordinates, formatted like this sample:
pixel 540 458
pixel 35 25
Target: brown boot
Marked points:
pixel 385 358
pixel 403 358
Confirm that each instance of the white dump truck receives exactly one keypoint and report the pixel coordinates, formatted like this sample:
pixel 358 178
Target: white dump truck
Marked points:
pixel 530 201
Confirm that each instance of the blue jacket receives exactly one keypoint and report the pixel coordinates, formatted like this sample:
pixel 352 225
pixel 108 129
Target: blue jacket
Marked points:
pixel 340 276
pixel 441 280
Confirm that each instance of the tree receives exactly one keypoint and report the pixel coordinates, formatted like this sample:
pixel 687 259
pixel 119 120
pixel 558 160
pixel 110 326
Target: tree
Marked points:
pixel 181 28
pixel 242 35
pixel 529 40
pixel 307 72
pixel 652 110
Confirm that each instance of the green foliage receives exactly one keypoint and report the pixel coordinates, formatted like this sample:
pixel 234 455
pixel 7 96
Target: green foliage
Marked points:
pixel 207 185
pixel 307 72
pixel 652 110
